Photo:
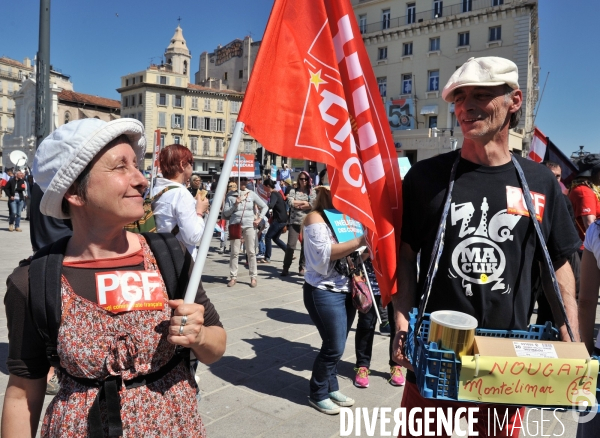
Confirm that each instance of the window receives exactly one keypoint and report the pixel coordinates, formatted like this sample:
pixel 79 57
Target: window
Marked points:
pixel 162 139
pixel 162 120
pixel 205 167
pixel 438 7
pixel 162 99
pixel 194 145
pixel 225 76
pixel 467 5
pixel 382 84
pixel 178 82
pixel 140 100
pixel 407 49
pixel 232 123
pixel 163 80
pixel 177 139
pixel 382 53
pixel 126 82
pixel 193 123
pixel 219 106
pixel 497 2
pixel 247 146
pixel 434 44
pixel 141 79
pixel 463 39
pixel 177 102
pixel 362 23
pixel 205 146
pixel 407 84
pixel 194 103
pixel 434 80
pixel 219 142
pixel 206 123
pixel 433 121
pixel 139 117
pixel 385 19
pixel 220 125
pixel 496 33
pixel 133 80
pixel 133 100
pixel 241 74
pixel 207 104
pixel 126 102
pixel 410 13
pixel 213 124
pixel 177 121
pixel 235 107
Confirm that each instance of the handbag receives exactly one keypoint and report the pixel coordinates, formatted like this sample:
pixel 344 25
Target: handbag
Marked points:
pixel 361 296
pixel 235 230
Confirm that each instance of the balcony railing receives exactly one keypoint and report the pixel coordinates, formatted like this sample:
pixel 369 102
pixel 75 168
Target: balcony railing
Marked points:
pixel 463 7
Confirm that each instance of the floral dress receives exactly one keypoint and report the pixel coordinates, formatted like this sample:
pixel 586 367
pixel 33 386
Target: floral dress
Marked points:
pixel 96 344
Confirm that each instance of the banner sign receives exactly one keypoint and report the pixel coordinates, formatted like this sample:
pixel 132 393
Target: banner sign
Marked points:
pixel 243 165
pixel 400 114
pixel 528 381
pixel 404 164
pixel 123 291
pixel 273 172
pixel 260 191
pixel 344 227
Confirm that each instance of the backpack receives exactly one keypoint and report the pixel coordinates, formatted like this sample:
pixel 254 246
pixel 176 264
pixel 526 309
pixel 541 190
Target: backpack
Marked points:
pixel 46 310
pixel 147 223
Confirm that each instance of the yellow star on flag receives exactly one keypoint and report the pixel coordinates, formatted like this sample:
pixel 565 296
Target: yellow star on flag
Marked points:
pixel 315 79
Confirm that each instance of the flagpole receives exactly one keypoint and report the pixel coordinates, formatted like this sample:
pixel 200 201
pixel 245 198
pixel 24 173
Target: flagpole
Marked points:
pixel 371 291
pixel 211 221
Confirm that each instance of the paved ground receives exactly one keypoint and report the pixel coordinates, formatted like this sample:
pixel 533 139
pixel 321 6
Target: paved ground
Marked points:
pixel 260 387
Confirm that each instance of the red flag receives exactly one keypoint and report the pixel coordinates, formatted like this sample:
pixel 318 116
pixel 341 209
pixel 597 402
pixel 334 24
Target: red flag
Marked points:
pixel 313 95
pixel 539 143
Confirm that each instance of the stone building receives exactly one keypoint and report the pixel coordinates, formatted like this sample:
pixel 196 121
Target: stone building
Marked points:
pixel 415 46
pixel 228 66
pixel 12 75
pixel 197 116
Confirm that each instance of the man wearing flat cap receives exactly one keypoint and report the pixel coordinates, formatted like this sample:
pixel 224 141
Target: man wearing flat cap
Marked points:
pixel 585 193
pixel 474 195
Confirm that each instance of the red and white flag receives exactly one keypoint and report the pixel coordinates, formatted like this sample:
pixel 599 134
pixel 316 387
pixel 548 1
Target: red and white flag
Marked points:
pixel 539 143
pixel 313 95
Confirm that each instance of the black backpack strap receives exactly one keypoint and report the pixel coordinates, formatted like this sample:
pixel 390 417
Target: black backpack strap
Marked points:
pixel 171 261
pixel 45 272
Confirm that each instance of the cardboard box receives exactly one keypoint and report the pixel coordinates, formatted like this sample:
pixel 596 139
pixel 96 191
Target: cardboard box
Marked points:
pixel 505 347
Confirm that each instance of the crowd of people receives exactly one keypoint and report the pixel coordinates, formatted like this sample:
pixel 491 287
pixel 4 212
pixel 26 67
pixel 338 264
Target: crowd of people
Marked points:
pixel 110 358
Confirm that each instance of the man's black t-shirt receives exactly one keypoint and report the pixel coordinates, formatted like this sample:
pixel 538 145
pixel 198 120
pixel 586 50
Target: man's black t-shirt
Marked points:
pixel 485 268
pixel 277 204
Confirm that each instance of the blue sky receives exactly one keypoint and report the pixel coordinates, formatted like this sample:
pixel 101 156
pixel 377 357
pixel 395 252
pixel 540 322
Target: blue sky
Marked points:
pixel 97 42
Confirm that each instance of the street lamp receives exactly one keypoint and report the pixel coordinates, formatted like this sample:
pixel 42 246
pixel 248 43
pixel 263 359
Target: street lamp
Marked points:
pixel 578 155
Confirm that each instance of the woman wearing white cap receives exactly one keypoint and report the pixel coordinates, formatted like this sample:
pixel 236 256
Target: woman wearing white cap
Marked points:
pixel 120 372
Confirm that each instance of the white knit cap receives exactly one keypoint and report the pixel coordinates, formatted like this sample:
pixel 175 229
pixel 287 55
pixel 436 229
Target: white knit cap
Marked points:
pixel 487 71
pixel 65 153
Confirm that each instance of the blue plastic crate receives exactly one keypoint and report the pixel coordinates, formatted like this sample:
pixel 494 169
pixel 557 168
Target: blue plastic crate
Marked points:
pixel 438 370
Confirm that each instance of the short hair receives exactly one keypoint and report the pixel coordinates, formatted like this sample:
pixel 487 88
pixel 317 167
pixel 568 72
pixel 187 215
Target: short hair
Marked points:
pixel 516 116
pixel 550 164
pixel 171 157
pixel 80 185
pixel 269 183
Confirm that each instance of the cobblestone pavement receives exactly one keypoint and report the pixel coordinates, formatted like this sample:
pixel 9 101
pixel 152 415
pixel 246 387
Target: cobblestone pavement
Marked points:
pixel 260 387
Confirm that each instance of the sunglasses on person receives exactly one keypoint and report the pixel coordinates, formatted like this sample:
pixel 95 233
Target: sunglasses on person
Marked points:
pixel 302 179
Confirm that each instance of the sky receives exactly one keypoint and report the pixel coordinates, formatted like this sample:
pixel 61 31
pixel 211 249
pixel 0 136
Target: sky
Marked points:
pixel 97 42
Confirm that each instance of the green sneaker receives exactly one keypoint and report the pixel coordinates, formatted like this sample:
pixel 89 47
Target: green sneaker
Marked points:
pixel 325 406
pixel 340 399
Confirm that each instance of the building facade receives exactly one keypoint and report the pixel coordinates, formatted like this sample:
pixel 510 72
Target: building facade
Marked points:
pixel 416 45
pixel 67 105
pixel 229 66
pixel 196 116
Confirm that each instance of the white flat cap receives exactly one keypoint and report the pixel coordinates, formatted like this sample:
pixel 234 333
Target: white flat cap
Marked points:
pixel 65 153
pixel 487 71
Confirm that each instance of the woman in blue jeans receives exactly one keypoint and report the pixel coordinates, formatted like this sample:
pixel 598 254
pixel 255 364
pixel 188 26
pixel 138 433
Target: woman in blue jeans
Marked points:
pixel 17 193
pixel 329 303
pixel 277 205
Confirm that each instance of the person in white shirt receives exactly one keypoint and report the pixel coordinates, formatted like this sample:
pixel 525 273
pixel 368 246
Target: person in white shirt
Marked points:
pixel 175 209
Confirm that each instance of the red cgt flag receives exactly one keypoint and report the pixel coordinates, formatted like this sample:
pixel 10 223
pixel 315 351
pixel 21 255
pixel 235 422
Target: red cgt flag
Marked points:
pixel 313 95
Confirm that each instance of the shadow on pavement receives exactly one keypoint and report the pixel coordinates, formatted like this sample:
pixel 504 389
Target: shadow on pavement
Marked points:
pixel 287 316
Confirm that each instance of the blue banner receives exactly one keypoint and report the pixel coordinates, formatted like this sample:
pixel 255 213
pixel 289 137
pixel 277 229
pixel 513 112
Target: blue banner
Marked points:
pixel 344 227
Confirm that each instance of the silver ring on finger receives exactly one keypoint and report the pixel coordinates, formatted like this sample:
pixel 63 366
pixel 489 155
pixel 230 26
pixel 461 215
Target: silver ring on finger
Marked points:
pixel 184 320
pixel 181 330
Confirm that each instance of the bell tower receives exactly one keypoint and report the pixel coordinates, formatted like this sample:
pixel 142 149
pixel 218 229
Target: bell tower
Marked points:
pixel 178 55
